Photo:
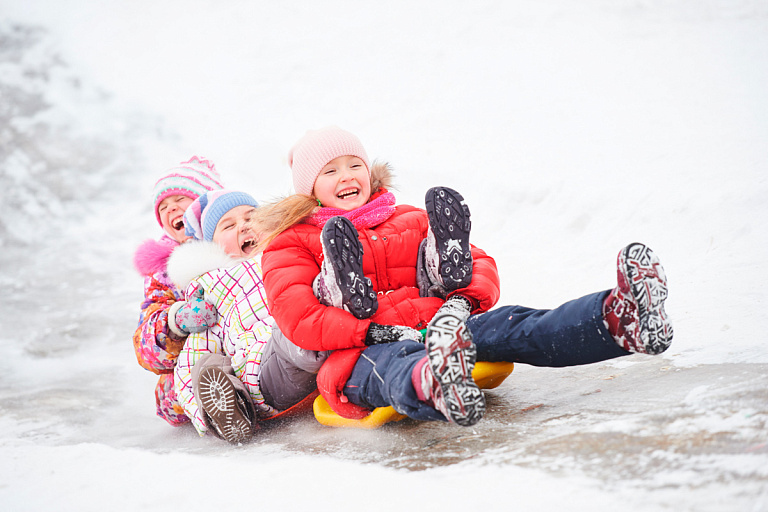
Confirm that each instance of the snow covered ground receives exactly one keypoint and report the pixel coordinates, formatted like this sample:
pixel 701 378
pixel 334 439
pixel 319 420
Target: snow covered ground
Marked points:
pixel 571 128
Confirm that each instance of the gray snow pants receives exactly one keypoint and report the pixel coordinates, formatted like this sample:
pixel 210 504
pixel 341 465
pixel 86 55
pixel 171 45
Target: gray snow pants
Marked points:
pixel 288 373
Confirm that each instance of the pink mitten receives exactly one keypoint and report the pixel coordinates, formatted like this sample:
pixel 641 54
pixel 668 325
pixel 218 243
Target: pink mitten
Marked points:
pixel 195 314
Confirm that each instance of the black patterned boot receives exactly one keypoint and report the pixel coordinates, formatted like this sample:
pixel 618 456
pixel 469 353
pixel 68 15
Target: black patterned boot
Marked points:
pixel 447 254
pixel 341 282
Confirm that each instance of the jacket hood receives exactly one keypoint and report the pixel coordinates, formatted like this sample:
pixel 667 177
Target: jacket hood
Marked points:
pixel 193 259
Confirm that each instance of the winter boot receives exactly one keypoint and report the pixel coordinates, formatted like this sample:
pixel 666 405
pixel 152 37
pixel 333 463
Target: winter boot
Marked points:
pixel 445 380
pixel 447 254
pixel 634 310
pixel 225 404
pixel 341 282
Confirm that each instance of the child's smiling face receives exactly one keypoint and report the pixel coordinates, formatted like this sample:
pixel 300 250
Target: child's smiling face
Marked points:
pixel 171 211
pixel 235 233
pixel 343 183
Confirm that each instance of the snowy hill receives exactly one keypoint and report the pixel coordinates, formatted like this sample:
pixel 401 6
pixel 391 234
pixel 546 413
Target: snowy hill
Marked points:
pixel 571 129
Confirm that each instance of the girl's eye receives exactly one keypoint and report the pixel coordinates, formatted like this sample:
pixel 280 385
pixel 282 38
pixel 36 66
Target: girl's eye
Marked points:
pixel 330 171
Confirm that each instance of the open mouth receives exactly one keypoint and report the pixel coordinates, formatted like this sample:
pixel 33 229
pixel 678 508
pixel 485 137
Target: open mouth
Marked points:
pixel 347 194
pixel 248 246
pixel 178 223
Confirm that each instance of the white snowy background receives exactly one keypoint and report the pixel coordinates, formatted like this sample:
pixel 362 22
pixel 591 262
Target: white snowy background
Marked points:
pixel 571 128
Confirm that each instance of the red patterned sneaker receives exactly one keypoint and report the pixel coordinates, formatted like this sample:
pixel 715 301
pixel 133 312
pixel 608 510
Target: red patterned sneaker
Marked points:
pixel 447 378
pixel 229 414
pixel 447 254
pixel 341 282
pixel 634 310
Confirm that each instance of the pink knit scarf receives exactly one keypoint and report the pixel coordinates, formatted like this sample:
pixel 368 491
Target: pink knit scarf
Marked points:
pixel 370 214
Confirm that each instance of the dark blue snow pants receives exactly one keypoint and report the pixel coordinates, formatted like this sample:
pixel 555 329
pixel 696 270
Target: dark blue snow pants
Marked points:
pixel 570 335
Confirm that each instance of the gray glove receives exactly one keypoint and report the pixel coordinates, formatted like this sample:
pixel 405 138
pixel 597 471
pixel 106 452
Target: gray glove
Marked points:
pixel 457 305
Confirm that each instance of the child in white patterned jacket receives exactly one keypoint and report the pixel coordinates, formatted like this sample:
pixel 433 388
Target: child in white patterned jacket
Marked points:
pixel 221 373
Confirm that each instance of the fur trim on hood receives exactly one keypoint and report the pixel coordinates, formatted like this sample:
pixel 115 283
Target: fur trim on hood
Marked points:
pixel 381 176
pixel 151 256
pixel 194 259
pixel 277 216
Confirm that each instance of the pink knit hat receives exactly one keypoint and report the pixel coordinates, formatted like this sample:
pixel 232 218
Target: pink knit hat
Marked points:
pixel 192 178
pixel 317 148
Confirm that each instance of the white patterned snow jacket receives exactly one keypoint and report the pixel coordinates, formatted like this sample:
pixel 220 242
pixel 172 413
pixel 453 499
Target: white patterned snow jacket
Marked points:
pixel 243 327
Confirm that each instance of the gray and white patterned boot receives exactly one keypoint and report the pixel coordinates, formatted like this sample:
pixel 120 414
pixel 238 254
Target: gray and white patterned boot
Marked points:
pixel 447 378
pixel 634 310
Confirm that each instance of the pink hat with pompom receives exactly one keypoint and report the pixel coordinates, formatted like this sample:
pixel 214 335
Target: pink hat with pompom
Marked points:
pixel 316 149
pixel 192 179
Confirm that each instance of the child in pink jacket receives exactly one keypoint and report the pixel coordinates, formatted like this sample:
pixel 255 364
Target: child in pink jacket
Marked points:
pixel 157 340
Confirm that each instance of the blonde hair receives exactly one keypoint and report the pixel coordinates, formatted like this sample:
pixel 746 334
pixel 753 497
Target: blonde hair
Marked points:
pixel 282 214
pixel 275 217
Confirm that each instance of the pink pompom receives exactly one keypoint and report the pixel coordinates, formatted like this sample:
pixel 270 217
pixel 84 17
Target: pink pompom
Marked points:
pixel 152 255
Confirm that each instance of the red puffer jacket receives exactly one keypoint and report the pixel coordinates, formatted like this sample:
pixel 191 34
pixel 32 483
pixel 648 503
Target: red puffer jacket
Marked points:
pixel 292 261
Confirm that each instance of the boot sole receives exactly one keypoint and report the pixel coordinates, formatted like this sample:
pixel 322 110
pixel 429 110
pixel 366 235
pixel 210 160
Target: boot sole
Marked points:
pixel 219 401
pixel 641 276
pixel 452 357
pixel 449 219
pixel 345 254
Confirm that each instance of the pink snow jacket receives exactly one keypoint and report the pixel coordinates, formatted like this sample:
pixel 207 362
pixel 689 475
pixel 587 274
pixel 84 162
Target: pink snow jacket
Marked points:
pixel 243 327
pixel 155 348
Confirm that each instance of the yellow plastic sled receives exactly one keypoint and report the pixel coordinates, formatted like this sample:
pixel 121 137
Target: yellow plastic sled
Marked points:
pixel 487 376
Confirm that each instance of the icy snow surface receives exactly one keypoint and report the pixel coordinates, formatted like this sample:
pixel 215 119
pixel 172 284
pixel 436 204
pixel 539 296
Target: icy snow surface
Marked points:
pixel 571 128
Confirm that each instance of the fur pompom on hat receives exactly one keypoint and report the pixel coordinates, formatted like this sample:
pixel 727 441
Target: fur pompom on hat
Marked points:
pixel 152 255
pixel 204 213
pixel 317 148
pixel 192 179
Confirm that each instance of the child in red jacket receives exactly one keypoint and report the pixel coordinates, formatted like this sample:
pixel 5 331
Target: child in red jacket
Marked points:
pixel 390 307
pixel 341 238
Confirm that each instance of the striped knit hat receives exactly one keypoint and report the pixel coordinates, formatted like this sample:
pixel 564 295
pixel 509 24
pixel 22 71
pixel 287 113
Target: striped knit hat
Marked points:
pixel 317 148
pixel 204 213
pixel 192 178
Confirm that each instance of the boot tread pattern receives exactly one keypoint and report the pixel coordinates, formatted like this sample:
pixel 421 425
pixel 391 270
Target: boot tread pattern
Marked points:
pixel 452 357
pixel 449 220
pixel 345 254
pixel 642 276
pixel 221 404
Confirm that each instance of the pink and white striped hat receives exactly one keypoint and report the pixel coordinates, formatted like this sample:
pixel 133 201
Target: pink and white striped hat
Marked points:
pixel 317 148
pixel 192 178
